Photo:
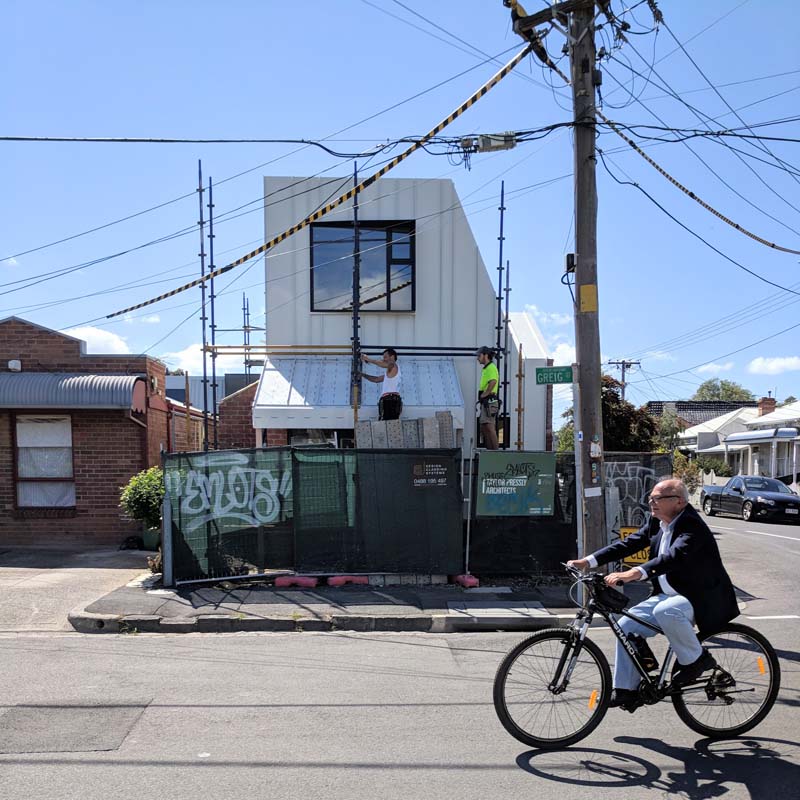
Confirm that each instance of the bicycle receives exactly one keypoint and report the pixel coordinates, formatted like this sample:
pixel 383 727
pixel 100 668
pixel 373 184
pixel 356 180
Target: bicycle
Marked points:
pixel 553 689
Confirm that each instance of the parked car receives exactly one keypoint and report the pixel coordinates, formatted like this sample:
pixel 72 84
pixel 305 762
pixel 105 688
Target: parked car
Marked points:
pixel 752 497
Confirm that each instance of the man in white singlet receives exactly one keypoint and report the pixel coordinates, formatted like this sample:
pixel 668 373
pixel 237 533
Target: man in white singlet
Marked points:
pixel 390 404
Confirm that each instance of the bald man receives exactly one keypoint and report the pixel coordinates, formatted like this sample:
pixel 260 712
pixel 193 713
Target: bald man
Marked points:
pixel 690 585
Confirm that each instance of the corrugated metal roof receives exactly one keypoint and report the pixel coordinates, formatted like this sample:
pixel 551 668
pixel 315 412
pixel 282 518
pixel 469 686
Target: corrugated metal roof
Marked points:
pixel 314 391
pixel 720 448
pixel 757 436
pixel 67 390
pixel 715 424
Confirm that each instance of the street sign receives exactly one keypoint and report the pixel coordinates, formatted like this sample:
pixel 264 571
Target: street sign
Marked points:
pixel 553 375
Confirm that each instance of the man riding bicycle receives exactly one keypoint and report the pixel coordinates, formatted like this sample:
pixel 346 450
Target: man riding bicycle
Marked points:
pixel 690 586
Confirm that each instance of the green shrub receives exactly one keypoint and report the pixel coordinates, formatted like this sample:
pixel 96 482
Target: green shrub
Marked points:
pixel 719 467
pixel 141 498
pixel 687 471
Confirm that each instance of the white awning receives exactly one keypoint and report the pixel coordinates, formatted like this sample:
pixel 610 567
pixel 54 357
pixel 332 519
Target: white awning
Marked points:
pixel 314 392
pixel 720 448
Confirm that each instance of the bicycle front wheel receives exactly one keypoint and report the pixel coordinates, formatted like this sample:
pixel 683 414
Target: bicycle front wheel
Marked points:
pixel 741 690
pixel 535 714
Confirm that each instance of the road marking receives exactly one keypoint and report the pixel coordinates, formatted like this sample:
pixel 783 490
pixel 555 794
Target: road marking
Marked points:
pixel 778 616
pixel 775 535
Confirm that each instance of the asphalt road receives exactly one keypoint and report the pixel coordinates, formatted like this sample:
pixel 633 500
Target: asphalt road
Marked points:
pixel 365 716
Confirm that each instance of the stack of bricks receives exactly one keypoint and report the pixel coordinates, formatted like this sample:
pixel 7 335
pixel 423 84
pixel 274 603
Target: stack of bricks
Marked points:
pixel 408 434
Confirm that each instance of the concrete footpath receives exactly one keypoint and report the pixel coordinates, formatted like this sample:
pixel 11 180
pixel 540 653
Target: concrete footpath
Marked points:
pixel 141 606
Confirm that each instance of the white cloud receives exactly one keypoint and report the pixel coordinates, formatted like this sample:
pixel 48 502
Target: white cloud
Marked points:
pixel 714 368
pixel 563 354
pixel 190 359
pixel 773 366
pixel 549 318
pixel 660 355
pixel 99 341
pixel 12 262
pixel 150 319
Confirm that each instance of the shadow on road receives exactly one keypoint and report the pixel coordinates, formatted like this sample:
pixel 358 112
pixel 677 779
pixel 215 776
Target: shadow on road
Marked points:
pixel 765 768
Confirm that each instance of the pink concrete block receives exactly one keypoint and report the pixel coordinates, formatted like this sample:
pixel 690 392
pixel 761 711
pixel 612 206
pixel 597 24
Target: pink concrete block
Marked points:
pixel 341 580
pixel 467 581
pixel 296 580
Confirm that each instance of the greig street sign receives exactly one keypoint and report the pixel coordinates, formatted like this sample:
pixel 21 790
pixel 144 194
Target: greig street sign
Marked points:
pixel 553 375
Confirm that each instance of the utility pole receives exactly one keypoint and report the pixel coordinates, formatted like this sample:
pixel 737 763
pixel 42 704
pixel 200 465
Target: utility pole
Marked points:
pixel 584 77
pixel 624 365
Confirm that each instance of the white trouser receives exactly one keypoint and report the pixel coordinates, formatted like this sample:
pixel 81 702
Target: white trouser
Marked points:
pixel 675 616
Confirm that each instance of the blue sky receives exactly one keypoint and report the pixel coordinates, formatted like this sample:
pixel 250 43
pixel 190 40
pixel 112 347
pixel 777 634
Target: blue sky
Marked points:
pixel 306 70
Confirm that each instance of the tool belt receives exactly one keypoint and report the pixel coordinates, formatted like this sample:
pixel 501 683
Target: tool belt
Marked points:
pixel 491 405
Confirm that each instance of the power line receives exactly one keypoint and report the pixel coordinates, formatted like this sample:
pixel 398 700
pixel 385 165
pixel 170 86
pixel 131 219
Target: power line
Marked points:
pixel 716 174
pixel 263 164
pixel 544 56
pixel 496 78
pixel 694 196
pixel 689 230
pixel 705 119
pixel 711 85
pixel 726 85
pixel 732 352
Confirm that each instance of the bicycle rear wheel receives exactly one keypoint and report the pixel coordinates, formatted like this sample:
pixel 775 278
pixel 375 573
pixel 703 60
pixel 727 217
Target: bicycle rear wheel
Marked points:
pixel 741 690
pixel 534 714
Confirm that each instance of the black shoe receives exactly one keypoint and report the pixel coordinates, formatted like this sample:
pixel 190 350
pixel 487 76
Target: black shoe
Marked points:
pixel 688 673
pixel 624 698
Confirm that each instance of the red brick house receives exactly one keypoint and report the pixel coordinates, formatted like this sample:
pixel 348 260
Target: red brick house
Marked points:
pixel 74 427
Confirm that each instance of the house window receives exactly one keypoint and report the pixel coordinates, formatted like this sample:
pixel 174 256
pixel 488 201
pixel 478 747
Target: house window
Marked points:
pixel 44 462
pixel 387 266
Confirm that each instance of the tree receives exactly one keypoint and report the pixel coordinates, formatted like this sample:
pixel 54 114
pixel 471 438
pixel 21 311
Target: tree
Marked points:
pixel 790 399
pixel 669 426
pixel 715 389
pixel 687 471
pixel 625 427
pixel 565 438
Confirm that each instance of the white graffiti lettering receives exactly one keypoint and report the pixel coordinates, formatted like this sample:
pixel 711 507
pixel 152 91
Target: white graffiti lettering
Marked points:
pixel 224 488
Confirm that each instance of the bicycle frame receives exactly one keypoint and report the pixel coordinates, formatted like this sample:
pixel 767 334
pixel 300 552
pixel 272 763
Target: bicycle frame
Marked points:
pixel 580 627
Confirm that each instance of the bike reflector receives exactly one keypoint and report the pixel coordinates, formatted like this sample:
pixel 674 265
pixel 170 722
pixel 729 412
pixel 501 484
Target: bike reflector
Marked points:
pixel 592 700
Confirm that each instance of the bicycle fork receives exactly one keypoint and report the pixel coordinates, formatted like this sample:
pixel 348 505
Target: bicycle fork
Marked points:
pixel 569 655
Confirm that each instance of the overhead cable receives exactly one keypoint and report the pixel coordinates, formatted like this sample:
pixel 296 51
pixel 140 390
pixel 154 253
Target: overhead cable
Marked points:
pixel 496 78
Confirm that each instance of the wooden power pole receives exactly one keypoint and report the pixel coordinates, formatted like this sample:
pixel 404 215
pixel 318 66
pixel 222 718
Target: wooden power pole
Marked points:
pixel 588 421
pixel 584 78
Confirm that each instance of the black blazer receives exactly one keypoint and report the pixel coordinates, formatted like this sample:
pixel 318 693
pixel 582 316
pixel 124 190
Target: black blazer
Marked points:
pixel 692 565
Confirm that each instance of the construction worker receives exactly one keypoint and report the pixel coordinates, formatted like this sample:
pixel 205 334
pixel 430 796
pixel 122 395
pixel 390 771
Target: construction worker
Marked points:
pixel 488 401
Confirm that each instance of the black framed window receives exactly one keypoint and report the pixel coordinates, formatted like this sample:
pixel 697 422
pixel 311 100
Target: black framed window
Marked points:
pixel 387 266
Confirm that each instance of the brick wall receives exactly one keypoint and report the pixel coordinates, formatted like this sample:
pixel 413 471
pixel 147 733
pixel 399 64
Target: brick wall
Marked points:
pixel 182 440
pixel 108 446
pixel 277 437
pixel 235 428
pixel 107 450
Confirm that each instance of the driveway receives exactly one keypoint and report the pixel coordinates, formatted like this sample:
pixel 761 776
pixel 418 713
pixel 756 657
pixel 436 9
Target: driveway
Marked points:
pixel 39 587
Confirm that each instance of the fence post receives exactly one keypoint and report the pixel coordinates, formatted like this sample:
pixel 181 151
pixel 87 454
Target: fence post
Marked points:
pixel 469 509
pixel 167 568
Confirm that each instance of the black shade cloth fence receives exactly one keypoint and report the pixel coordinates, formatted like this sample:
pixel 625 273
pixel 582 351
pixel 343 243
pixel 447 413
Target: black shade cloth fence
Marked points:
pixel 313 510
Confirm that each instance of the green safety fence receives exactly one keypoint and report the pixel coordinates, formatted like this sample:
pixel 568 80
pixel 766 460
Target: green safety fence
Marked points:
pixel 312 510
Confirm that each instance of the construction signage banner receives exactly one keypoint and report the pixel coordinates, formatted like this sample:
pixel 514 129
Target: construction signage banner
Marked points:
pixel 636 559
pixel 515 484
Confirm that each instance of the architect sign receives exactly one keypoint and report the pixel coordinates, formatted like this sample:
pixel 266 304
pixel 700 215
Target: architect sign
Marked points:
pixel 553 375
pixel 514 484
